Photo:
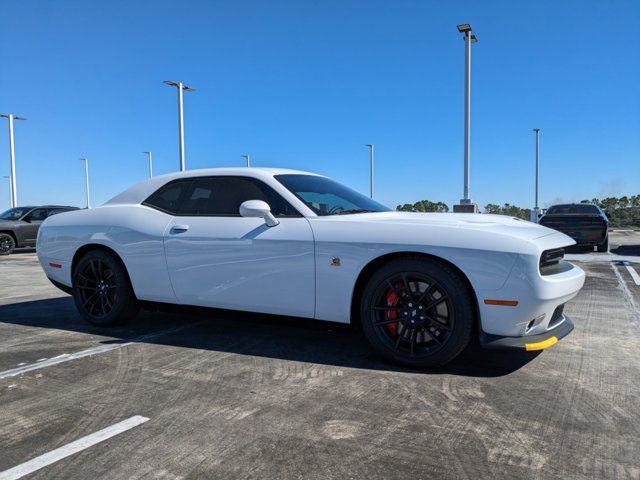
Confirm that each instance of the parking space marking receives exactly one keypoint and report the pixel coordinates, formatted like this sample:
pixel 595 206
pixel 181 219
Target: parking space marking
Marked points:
pixel 627 294
pixel 76 446
pixel 600 257
pixel 90 351
pixel 634 274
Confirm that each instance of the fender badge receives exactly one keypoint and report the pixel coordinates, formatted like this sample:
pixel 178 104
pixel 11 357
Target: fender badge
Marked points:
pixel 335 262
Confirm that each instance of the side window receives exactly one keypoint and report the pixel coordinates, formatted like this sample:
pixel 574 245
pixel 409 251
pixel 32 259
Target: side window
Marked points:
pixel 37 215
pixel 55 211
pixel 168 197
pixel 222 196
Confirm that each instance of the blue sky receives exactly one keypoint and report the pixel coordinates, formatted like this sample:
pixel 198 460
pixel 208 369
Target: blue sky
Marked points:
pixel 305 84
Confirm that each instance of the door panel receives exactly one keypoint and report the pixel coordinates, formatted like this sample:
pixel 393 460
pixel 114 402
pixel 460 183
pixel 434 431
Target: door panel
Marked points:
pixel 242 264
pixel 29 230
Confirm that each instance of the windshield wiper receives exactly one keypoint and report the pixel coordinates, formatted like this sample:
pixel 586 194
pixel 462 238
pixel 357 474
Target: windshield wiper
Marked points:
pixel 354 210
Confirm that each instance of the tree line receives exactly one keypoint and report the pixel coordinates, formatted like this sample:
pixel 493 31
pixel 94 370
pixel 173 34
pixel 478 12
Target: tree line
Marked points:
pixel 623 211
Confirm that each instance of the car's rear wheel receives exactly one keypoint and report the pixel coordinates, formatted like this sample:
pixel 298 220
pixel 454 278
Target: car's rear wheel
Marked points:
pixel 7 244
pixel 417 312
pixel 604 246
pixel 102 291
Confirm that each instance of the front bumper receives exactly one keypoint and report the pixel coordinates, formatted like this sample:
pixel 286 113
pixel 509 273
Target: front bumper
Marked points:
pixel 538 297
pixel 528 342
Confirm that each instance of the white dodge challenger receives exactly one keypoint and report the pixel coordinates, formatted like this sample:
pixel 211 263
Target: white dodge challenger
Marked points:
pixel 419 285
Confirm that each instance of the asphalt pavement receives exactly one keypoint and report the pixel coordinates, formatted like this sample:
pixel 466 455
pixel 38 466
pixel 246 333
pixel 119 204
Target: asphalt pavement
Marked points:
pixel 233 395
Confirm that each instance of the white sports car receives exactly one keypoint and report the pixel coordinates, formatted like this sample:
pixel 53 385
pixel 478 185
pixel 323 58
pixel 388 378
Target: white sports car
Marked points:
pixel 285 242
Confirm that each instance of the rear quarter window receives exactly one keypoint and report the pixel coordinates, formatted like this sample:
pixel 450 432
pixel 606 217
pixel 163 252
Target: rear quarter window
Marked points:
pixel 168 197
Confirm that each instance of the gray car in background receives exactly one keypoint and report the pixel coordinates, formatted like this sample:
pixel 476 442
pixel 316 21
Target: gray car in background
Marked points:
pixel 19 226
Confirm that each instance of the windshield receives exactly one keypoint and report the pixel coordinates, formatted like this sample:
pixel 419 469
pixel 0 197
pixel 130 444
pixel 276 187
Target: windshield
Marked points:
pixel 328 197
pixel 14 213
pixel 573 209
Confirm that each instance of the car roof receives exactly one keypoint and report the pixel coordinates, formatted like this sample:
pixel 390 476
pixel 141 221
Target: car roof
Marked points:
pixel 46 206
pixel 570 204
pixel 139 192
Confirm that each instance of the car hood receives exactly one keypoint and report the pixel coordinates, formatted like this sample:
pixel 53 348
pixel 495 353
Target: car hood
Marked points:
pixel 503 224
pixel 7 223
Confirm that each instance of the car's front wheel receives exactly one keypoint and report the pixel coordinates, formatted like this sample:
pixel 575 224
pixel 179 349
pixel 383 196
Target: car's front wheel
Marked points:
pixel 102 291
pixel 417 312
pixel 7 244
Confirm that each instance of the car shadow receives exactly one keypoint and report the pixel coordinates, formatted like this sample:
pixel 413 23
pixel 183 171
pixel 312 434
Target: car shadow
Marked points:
pixel 19 251
pixel 285 338
pixel 627 250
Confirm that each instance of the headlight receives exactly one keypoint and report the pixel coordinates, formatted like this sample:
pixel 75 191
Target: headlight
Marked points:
pixel 549 258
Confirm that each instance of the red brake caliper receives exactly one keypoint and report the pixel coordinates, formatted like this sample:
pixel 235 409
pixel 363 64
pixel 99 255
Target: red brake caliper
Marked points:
pixel 392 301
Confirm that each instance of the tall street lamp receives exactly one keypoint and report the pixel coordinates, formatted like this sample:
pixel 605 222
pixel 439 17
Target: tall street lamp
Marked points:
pixel 150 164
pixel 468 40
pixel 86 179
pixel 370 146
pixel 248 159
pixel 14 195
pixel 536 209
pixel 180 86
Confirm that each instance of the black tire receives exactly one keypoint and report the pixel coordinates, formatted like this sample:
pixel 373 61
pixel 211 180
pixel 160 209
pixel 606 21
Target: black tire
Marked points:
pixel 604 246
pixel 102 291
pixel 433 319
pixel 7 244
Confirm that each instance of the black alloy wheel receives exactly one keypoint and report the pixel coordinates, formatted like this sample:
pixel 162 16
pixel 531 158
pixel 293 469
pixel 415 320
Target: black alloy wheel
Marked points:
pixel 417 312
pixel 7 244
pixel 102 291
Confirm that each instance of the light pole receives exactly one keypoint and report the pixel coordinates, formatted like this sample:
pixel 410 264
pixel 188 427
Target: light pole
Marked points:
pixel 14 194
pixel 468 40
pixel 180 86
pixel 370 146
pixel 86 179
pixel 150 164
pixel 248 159
pixel 536 209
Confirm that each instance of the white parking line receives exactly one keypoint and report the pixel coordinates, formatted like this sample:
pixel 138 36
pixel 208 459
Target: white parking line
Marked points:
pixel 90 351
pixel 633 307
pixel 634 274
pixel 600 257
pixel 76 446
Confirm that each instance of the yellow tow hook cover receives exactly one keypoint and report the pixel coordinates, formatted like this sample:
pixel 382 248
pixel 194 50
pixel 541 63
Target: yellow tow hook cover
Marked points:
pixel 541 345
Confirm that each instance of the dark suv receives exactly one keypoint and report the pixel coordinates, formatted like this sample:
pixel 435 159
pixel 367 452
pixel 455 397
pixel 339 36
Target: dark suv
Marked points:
pixel 19 226
pixel 586 223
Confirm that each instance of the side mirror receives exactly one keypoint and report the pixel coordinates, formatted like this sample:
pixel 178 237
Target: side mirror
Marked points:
pixel 258 209
pixel 608 215
pixel 27 219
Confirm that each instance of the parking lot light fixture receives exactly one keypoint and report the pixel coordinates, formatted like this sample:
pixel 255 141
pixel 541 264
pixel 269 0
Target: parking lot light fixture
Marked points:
pixel 13 187
pixel 86 179
pixel 150 163
pixel 468 40
pixel 370 147
pixel 248 159
pixel 181 87
pixel 536 208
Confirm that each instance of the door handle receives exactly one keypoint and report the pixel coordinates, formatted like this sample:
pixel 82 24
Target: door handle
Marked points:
pixel 179 228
